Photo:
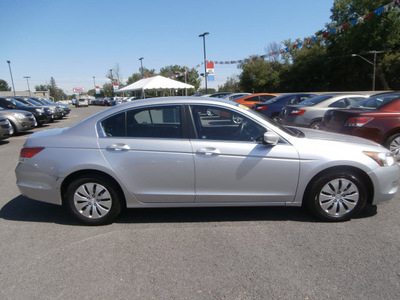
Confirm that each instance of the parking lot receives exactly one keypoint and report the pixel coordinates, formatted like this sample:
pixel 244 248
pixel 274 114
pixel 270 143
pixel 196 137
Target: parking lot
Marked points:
pixel 191 253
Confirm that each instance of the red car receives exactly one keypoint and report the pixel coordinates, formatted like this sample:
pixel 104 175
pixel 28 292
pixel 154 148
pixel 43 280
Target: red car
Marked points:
pixel 376 118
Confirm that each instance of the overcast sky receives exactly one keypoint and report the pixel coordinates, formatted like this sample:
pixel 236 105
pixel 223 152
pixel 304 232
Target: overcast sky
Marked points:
pixel 73 41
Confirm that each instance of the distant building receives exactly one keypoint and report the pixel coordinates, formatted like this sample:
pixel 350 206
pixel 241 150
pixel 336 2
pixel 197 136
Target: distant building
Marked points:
pixel 44 94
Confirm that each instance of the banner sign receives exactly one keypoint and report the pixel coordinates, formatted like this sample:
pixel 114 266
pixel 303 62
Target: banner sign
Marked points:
pixel 377 12
pixel 78 90
pixel 97 90
pixel 115 84
pixel 210 71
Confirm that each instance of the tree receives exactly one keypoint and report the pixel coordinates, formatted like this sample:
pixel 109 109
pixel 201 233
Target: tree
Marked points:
pixel 4 85
pixel 260 76
pixel 379 33
pixel 232 84
pixel 137 76
pixel 192 76
pixel 55 92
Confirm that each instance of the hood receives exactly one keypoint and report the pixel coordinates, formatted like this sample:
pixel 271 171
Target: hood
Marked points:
pixel 337 137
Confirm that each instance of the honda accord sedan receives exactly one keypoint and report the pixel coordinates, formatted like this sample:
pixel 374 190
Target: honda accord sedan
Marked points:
pixel 168 152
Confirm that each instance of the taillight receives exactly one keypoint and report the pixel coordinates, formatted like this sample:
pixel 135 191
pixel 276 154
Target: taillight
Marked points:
pixel 358 121
pixel 261 108
pixel 28 152
pixel 297 112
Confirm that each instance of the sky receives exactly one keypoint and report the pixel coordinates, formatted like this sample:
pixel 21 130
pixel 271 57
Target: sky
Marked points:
pixel 74 41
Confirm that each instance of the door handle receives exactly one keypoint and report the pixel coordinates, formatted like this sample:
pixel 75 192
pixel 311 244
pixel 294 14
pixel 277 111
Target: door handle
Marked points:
pixel 118 147
pixel 209 151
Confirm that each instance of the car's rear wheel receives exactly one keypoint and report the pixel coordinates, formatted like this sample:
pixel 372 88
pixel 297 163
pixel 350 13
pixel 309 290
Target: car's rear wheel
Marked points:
pixel 93 200
pixel 336 196
pixel 316 125
pixel 393 144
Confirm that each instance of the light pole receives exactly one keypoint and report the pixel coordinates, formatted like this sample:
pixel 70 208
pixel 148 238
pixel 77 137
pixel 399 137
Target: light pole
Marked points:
pixel 27 81
pixel 205 57
pixel 112 83
pixel 12 80
pixel 185 80
pixel 141 65
pixel 371 63
pixel 94 83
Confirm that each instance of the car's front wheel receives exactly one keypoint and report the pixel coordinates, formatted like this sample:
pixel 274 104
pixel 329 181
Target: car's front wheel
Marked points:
pixel 336 196
pixel 93 200
pixel 393 144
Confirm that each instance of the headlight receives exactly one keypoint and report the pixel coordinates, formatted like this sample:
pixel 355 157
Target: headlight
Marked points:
pixel 384 159
pixel 39 110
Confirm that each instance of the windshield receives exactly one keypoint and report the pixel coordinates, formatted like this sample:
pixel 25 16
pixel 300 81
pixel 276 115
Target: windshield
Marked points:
pixel 288 130
pixel 375 102
pixel 276 99
pixel 316 100
pixel 35 102
pixel 17 103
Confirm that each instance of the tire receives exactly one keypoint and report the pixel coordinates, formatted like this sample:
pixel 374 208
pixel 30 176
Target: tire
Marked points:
pixel 393 144
pixel 14 130
pixel 275 117
pixel 93 200
pixel 316 125
pixel 336 196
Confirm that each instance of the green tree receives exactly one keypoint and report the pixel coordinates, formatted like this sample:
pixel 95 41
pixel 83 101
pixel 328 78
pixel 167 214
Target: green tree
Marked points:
pixel 378 33
pixel 192 77
pixel 137 76
pixel 232 84
pixel 260 76
pixel 4 85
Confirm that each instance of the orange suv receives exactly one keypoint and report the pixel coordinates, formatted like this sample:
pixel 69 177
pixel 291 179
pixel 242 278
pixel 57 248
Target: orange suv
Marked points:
pixel 250 100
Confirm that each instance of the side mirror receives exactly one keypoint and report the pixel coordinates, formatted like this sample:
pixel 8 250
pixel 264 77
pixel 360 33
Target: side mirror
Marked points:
pixel 270 138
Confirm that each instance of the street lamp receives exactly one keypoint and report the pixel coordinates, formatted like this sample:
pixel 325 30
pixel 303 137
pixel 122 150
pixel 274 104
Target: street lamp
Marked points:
pixel 12 80
pixel 94 83
pixel 371 63
pixel 141 65
pixel 27 81
pixel 112 83
pixel 205 59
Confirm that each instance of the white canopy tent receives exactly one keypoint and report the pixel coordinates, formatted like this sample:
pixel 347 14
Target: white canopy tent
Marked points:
pixel 155 83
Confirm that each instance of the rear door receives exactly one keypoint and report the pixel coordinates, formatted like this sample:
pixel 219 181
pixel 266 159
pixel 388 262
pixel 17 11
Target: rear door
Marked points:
pixel 148 150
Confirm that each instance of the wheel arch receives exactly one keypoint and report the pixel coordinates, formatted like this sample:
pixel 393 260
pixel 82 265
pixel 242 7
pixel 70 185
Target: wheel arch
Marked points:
pixel 389 134
pixel 364 177
pixel 91 172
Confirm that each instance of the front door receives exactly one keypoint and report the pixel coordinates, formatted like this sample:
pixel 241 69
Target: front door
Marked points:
pixel 233 165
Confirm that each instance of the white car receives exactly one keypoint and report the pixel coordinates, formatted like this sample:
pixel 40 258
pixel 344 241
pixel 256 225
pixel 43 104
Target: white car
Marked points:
pixel 81 102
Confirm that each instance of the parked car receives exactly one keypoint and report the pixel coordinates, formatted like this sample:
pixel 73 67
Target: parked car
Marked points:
pixel 252 99
pixel 273 107
pixel 376 118
pixel 20 120
pixel 5 128
pixel 218 95
pixel 234 96
pixel 41 114
pixel 81 102
pixel 166 152
pixel 55 112
pixel 309 113
pixel 64 108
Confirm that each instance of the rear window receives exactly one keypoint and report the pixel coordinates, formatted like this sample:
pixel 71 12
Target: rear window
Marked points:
pixel 375 102
pixel 316 100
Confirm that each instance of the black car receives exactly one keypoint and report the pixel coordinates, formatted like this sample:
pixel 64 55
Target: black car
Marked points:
pixel 56 113
pixel 42 114
pixel 64 108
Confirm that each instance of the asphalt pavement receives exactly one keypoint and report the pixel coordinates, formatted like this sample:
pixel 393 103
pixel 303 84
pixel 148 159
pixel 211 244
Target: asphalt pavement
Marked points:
pixel 191 253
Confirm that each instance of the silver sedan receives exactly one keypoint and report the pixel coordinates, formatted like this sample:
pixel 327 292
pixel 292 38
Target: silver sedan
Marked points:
pixel 169 152
pixel 309 113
